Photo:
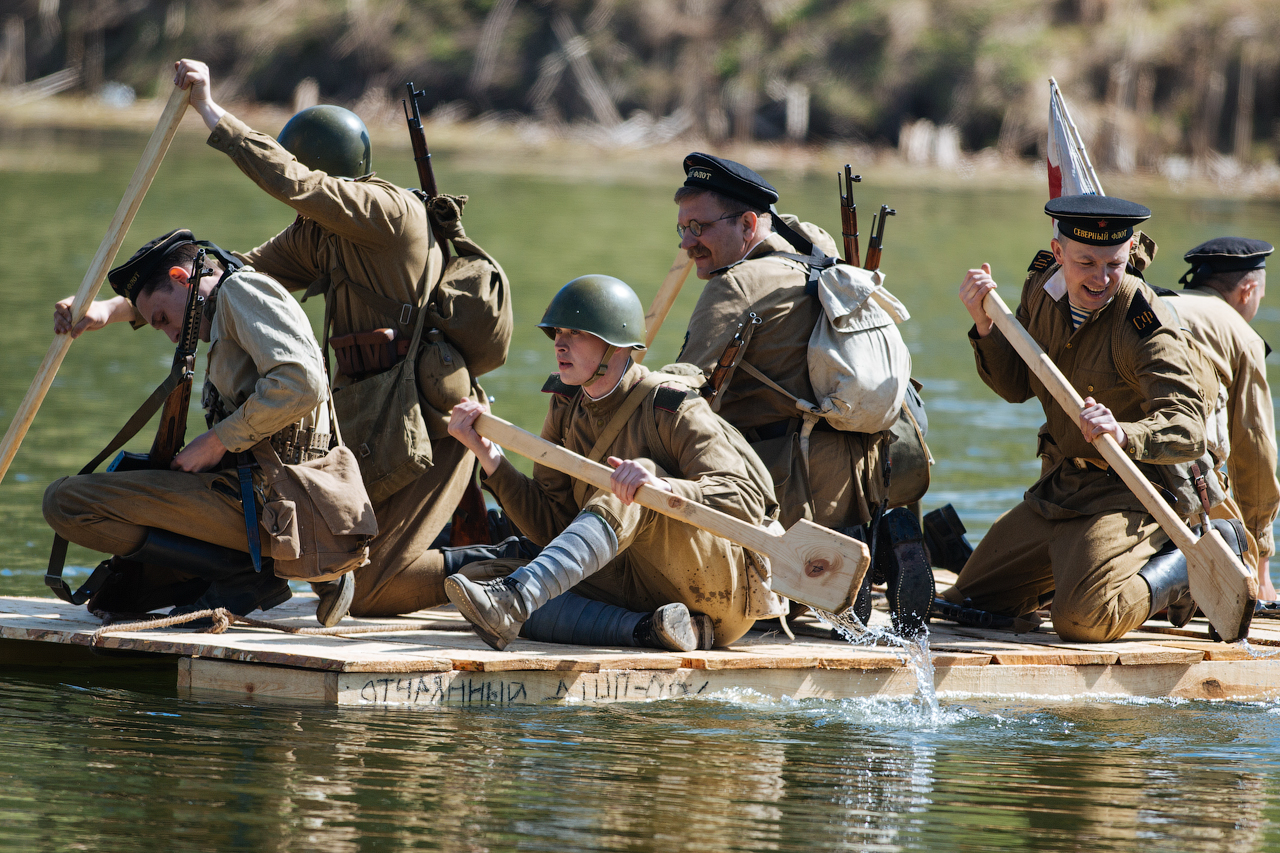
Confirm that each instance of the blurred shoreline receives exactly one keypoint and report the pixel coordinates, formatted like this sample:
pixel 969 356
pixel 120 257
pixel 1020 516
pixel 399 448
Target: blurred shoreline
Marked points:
pixel 633 153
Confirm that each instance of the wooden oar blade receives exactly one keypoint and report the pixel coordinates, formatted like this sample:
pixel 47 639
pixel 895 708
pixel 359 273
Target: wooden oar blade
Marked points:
pixel 1222 587
pixel 818 567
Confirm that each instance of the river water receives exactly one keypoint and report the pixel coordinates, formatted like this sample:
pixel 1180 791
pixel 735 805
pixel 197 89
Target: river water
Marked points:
pixel 112 758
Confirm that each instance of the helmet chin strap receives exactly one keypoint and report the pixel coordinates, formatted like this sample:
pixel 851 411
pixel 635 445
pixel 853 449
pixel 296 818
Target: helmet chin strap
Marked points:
pixel 603 367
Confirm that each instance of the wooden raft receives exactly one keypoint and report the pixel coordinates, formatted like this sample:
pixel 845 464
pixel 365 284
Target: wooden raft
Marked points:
pixel 435 659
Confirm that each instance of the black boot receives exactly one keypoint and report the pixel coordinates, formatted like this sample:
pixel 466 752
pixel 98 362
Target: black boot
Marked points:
pixel 1166 573
pixel 862 604
pixel 511 548
pixel 901 561
pixel 1166 577
pixel 234 584
pixel 944 539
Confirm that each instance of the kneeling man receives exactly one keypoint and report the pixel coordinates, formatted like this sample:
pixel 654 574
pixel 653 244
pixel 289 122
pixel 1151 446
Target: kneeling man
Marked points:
pixel 1080 535
pixel 637 574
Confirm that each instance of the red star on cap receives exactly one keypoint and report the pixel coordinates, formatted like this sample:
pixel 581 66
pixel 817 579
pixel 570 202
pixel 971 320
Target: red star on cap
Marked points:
pixel 1102 223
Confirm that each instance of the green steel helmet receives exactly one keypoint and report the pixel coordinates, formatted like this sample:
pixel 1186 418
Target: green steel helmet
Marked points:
pixel 600 304
pixel 330 139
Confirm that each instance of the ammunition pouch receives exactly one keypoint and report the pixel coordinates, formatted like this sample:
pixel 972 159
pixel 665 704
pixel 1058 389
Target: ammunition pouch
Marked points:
pixel 296 444
pixel 361 354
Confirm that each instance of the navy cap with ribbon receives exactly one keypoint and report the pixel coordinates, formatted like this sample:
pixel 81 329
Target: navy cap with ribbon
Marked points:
pixel 705 172
pixel 128 278
pixel 1225 254
pixel 1097 220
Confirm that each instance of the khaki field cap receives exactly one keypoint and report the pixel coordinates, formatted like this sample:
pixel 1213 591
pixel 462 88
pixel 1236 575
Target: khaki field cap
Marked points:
pixel 600 304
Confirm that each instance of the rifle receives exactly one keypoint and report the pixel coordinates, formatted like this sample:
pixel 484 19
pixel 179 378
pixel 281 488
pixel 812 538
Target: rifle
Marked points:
pixel 849 216
pixel 421 156
pixel 172 431
pixel 875 248
pixel 470 524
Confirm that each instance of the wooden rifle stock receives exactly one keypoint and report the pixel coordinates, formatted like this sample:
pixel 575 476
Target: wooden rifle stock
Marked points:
pixel 876 247
pixel 171 432
pixel 849 217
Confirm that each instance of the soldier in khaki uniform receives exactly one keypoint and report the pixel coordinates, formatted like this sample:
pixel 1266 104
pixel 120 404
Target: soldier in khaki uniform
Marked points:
pixel 264 375
pixel 599 543
pixel 1224 287
pixel 359 234
pixel 1080 535
pixel 727 225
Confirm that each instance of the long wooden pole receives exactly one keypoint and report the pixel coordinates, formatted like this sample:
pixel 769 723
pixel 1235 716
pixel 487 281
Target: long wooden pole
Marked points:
pixel 664 299
pixel 97 272
pixel 810 564
pixel 1220 584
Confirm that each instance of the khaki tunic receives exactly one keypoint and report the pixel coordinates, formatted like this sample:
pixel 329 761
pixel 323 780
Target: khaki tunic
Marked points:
pixel 1238 355
pixel 264 360
pixel 1080 534
pixel 376 235
pixel 660 560
pixel 843 476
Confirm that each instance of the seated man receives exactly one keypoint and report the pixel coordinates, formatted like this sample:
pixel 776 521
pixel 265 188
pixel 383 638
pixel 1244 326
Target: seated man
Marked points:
pixel 740 246
pixel 264 376
pixel 627 561
pixel 1080 535
pixel 1224 288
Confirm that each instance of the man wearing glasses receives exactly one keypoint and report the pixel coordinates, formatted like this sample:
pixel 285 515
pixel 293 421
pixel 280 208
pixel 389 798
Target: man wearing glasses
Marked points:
pixel 725 225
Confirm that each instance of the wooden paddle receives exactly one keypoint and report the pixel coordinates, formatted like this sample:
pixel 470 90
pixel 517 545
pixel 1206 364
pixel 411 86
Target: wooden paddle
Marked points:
pixel 811 564
pixel 97 272
pixel 664 299
pixel 1225 590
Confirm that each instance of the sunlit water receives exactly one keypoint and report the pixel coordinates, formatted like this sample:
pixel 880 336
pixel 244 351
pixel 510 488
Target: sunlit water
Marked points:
pixel 112 758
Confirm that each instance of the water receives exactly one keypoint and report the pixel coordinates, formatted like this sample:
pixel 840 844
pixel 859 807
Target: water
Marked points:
pixel 113 758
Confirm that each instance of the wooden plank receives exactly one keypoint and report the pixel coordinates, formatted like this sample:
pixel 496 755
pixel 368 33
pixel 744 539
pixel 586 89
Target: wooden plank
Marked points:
pixel 258 682
pixel 1005 650
pixel 1205 680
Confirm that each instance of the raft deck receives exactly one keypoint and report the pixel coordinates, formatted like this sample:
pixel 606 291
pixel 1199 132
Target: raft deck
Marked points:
pixel 433 658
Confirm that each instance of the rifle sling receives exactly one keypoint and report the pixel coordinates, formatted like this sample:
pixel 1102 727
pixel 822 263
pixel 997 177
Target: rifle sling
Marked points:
pixel 635 397
pixel 58 554
pixel 244 469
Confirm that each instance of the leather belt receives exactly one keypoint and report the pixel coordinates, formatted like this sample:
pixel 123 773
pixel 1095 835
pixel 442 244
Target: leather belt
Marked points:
pixel 1082 463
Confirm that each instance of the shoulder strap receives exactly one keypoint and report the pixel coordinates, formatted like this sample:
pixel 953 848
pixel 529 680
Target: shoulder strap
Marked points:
pixel 637 395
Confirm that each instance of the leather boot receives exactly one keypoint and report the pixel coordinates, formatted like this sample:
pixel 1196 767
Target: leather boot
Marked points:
pixel 901 561
pixel 944 539
pixel 862 604
pixel 1166 577
pixel 674 628
pixel 498 608
pixel 233 582
pixel 1166 573
pixel 335 599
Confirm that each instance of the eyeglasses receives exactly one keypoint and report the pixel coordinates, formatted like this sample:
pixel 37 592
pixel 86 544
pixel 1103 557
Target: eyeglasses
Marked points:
pixel 698 227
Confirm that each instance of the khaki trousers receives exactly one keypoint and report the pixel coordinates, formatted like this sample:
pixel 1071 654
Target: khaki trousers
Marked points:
pixel 661 561
pixel 110 512
pixel 403 574
pixel 1089 565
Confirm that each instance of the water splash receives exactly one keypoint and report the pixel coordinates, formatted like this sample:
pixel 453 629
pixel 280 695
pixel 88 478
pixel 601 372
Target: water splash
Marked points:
pixel 1255 652
pixel 914 652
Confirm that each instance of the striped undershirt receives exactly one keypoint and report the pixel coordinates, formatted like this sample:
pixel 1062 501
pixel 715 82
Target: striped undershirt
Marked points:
pixel 1078 315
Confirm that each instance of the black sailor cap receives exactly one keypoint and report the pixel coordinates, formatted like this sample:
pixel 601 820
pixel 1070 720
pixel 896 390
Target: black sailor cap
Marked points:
pixel 1226 254
pixel 128 278
pixel 1099 220
pixel 704 172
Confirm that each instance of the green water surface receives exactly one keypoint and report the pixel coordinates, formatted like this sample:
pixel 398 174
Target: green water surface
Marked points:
pixel 114 759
